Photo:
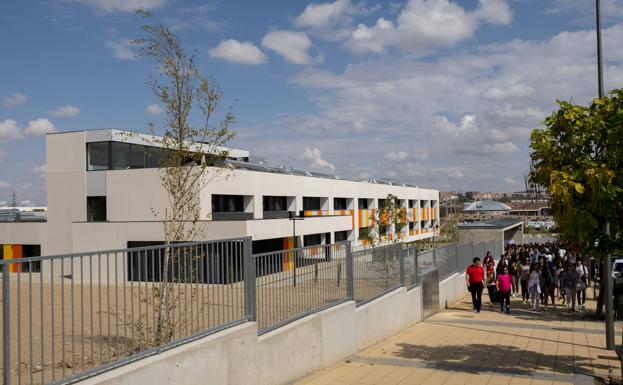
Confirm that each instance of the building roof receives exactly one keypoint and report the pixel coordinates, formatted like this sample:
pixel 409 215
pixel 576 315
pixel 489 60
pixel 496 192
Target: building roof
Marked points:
pixel 487 205
pixel 493 224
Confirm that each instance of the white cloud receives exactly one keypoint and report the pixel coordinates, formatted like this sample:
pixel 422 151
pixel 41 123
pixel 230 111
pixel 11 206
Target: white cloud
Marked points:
pixel 332 21
pixel 238 52
pixel 122 49
pixel 584 10
pixel 424 25
pixel 14 100
pixel 40 169
pixel 316 163
pixel 293 46
pixel 513 91
pixel 153 109
pixel 109 6
pixel 443 104
pixel 10 130
pixel 67 111
pixel 4 185
pixel 39 127
pixel 396 155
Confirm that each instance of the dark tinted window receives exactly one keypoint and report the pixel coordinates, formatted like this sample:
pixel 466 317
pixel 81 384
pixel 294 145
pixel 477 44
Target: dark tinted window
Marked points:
pixel 96 209
pixel 97 156
pixel 137 156
pixel 272 203
pixel 340 236
pixel 339 203
pixel 227 203
pixel 311 203
pixel 120 155
pixel 312 239
pixel 363 204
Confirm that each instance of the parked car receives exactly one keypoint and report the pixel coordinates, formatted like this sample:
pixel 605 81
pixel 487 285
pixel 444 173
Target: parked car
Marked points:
pixel 617 271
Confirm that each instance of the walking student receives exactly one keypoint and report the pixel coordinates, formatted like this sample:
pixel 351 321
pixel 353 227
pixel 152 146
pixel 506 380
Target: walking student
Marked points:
pixel 582 284
pixel 504 283
pixel 491 288
pixel 534 287
pixel 523 279
pixel 570 281
pixel 548 285
pixel 475 276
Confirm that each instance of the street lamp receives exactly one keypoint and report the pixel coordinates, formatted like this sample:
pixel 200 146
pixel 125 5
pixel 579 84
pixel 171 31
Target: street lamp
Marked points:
pixel 607 285
pixel 292 217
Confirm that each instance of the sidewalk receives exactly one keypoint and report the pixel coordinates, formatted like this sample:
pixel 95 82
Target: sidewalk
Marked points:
pixel 458 346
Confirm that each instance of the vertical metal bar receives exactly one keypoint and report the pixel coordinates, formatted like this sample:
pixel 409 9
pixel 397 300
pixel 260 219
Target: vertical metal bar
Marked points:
pixel 41 327
pixel 204 285
pixel 153 285
pixel 124 262
pixel 108 337
pixel 139 255
pixel 130 258
pixel 52 314
pixel 82 308
pixel 62 316
pixel 30 337
pixel 6 325
pixel 401 262
pixel 91 304
pixel 249 281
pixel 350 273
pixel 73 330
pixel 99 301
pixel 19 323
pixel 116 264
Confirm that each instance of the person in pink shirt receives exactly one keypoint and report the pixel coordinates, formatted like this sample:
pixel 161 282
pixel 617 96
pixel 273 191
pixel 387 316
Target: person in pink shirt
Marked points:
pixel 504 282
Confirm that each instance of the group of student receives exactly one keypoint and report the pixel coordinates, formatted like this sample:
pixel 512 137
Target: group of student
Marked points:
pixel 543 272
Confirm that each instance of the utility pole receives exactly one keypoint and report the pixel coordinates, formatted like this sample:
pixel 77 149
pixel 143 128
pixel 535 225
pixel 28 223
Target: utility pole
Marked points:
pixel 607 284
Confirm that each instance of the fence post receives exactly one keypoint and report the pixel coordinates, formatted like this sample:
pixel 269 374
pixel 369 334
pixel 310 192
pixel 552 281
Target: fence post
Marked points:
pixel 435 257
pixel 6 325
pixel 350 276
pixel 401 257
pixel 415 267
pixel 249 281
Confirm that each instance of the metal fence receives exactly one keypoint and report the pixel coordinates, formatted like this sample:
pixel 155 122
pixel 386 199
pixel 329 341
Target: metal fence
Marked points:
pixel 85 313
pixel 293 283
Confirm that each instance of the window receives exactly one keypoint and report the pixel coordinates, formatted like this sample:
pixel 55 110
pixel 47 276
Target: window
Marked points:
pixel 273 203
pixel 120 155
pixel 339 204
pixel 363 204
pixel 312 239
pixel 227 203
pixel 411 226
pixel 137 156
pixel 311 203
pixel 97 156
pixel 339 236
pixel 364 233
pixel 412 203
pixel 381 204
pixel 96 209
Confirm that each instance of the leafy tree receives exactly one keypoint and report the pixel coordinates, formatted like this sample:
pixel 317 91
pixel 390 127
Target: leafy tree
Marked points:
pixel 578 159
pixel 188 153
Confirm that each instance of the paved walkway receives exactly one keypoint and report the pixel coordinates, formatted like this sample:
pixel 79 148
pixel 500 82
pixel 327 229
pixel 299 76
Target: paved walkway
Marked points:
pixel 458 346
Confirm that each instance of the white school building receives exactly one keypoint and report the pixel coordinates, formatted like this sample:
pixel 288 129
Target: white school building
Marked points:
pixel 103 187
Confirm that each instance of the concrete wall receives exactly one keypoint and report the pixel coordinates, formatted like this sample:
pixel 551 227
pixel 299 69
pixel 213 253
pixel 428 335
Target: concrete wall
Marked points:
pixel 238 356
pixel 451 290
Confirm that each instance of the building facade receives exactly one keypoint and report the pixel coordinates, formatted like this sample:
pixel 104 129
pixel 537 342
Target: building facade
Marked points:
pixel 104 191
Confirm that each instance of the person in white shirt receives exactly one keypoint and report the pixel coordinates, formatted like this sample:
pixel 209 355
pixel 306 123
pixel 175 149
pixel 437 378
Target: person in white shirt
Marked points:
pixel 582 285
pixel 534 285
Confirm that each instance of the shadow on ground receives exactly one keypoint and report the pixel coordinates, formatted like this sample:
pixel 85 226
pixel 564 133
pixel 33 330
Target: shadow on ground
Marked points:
pixel 476 358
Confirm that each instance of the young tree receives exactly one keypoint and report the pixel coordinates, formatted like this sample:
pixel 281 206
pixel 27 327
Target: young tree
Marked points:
pixel 577 158
pixel 191 154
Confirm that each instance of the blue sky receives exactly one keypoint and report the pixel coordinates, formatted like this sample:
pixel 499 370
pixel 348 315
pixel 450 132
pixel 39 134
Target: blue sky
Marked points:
pixel 437 93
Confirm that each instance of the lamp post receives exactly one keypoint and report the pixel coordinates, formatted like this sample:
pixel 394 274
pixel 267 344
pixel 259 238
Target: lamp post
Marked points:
pixel 294 218
pixel 607 285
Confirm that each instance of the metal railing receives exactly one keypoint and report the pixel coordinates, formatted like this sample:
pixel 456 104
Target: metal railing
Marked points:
pixel 293 283
pixel 86 313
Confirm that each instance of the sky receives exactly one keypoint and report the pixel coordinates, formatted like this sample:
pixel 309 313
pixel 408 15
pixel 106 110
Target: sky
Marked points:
pixel 435 93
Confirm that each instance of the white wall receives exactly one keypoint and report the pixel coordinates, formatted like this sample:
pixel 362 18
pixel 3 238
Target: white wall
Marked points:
pixel 237 356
